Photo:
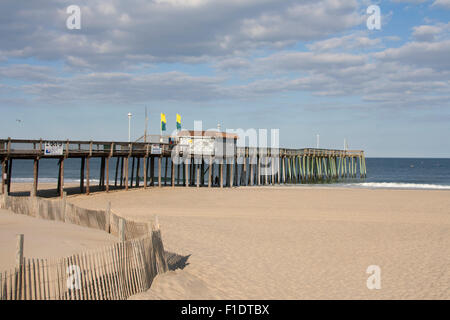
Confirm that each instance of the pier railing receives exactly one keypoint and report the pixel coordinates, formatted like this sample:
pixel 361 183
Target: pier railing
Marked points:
pixel 23 148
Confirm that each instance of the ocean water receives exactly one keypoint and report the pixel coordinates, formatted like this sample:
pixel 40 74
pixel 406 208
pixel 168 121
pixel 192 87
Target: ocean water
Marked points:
pixel 405 173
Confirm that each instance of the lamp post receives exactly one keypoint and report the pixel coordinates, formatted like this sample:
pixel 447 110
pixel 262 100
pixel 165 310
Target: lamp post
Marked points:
pixel 129 126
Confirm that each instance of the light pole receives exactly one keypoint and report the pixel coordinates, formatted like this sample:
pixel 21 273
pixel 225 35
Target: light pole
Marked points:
pixel 129 126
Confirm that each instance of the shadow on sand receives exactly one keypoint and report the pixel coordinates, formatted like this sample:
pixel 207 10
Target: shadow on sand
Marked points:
pixel 176 261
pixel 51 193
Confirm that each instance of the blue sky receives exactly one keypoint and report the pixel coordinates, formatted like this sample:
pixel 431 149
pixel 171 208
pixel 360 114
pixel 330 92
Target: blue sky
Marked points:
pixel 304 67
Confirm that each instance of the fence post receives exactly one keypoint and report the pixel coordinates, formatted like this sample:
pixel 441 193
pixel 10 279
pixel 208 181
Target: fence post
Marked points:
pixel 158 247
pixel 108 217
pixel 5 200
pixel 18 269
pixel 64 204
pixel 19 250
pixel 122 229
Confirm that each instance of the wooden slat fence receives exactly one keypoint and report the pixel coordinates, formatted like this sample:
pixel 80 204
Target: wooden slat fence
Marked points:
pixel 114 272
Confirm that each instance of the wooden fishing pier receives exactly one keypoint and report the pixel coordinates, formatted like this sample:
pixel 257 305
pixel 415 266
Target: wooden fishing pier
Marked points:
pixel 163 164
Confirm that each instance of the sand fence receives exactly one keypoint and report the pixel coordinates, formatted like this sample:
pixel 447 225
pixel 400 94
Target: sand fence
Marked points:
pixel 113 272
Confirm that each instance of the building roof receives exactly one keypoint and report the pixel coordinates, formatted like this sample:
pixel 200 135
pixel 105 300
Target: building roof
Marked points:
pixel 208 133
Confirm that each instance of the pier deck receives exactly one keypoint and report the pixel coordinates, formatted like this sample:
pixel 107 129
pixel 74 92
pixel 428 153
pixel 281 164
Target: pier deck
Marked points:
pixel 244 167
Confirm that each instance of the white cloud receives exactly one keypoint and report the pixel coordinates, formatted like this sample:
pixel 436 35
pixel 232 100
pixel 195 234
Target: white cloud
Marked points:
pixel 121 88
pixel 410 1
pixel 423 54
pixel 118 39
pixel 176 30
pixel 28 73
pixel 431 32
pixel 426 33
pixel 346 43
pixel 441 4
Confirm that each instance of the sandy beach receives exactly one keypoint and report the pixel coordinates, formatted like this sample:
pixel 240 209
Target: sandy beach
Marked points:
pixel 45 238
pixel 294 242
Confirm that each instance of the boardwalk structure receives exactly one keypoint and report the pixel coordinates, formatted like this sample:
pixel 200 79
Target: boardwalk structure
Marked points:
pixel 164 164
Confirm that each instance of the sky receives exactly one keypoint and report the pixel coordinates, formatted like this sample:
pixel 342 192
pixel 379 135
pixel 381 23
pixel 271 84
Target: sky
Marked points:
pixel 304 67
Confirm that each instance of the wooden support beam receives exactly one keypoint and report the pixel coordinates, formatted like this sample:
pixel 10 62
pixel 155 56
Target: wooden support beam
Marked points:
pixel 58 188
pixel 221 173
pixel 9 175
pixel 259 169
pixel 186 172
pixel 148 169
pixel 272 166
pixel 266 176
pixel 210 169
pixel 145 171
pixel 87 175
pixel 138 169
pixel 178 173
pixel 132 172
pixel 227 175
pixel 172 173
pixel 197 167
pixel 107 173
pixel 252 174
pixel 122 160
pixel 35 176
pixel 192 172
pixel 304 168
pixel 117 171
pixel 279 169
pixel 165 170
pixel 4 164
pixel 61 178
pixel 127 172
pixel 231 172
pixel 101 181
pixel 236 172
pixel 159 171
pixel 244 171
pixel 202 172
pixel 152 171
pixel 82 175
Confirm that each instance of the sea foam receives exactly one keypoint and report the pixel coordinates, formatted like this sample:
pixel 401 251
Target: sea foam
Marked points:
pixel 399 185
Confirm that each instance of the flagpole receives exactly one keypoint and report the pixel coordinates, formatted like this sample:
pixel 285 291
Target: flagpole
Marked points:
pixel 146 125
pixel 160 132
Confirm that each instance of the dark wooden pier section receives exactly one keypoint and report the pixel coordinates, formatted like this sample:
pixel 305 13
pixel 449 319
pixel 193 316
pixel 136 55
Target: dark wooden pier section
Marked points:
pixel 246 167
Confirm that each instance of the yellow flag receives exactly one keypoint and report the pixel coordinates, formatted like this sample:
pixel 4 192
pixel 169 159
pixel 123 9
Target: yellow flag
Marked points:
pixel 178 122
pixel 163 122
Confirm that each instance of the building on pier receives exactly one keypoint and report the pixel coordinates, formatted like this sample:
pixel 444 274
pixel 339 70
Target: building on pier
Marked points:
pixel 207 143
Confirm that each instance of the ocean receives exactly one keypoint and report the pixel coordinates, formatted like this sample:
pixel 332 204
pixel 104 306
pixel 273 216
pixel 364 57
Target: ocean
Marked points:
pixel 405 173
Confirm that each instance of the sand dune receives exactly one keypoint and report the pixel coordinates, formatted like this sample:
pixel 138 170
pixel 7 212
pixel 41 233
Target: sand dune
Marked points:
pixel 44 238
